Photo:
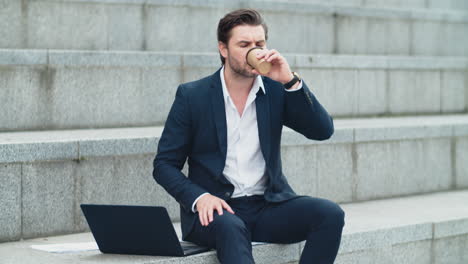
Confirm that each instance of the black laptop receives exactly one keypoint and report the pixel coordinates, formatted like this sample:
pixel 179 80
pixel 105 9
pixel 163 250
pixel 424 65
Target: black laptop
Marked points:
pixel 139 230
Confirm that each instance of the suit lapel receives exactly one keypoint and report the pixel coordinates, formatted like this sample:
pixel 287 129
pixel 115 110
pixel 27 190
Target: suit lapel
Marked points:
pixel 219 113
pixel 262 105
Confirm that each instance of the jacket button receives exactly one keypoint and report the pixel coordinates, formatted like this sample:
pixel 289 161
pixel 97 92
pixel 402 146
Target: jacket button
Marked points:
pixel 227 194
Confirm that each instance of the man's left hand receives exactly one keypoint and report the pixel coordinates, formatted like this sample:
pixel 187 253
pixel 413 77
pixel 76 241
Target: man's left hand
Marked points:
pixel 280 70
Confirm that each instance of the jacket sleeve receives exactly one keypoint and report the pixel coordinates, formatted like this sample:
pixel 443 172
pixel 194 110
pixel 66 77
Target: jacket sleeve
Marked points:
pixel 173 149
pixel 304 114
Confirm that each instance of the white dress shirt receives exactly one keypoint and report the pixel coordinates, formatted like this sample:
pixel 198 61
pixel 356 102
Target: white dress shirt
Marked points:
pixel 245 164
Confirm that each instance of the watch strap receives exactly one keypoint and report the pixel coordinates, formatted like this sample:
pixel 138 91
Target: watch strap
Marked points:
pixel 294 80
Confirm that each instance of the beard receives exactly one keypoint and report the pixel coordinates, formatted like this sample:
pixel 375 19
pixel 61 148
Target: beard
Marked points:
pixel 240 68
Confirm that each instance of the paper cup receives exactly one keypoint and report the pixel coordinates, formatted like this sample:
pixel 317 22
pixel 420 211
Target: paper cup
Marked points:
pixel 262 66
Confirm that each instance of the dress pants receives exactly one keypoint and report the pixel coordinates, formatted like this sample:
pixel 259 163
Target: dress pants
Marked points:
pixel 318 221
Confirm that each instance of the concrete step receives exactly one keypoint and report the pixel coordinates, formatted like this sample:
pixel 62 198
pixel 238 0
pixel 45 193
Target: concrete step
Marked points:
pixel 46 175
pixel 54 89
pixel 454 5
pixel 186 25
pixel 423 229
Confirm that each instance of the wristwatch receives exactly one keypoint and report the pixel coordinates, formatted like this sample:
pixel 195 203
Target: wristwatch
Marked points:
pixel 294 80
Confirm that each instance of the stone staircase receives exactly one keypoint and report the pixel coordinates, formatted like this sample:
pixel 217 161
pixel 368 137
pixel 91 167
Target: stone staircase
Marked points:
pixel 416 229
pixel 88 89
pixel 86 85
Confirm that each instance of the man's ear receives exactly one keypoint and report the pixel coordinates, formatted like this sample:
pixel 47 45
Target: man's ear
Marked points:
pixel 222 47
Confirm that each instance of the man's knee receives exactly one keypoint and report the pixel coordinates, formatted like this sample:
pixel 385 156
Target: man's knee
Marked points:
pixel 334 214
pixel 228 223
pixel 330 212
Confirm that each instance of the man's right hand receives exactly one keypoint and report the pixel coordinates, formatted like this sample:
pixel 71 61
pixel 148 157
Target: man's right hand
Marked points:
pixel 207 204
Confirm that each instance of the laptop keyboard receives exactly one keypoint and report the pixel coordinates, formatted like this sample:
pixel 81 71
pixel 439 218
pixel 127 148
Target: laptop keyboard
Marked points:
pixel 188 245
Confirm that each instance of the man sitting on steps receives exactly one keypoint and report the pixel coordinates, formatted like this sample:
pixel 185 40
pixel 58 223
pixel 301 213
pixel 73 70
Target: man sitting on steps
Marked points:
pixel 229 127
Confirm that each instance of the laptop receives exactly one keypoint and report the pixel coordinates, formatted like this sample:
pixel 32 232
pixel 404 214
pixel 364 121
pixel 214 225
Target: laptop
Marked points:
pixel 138 230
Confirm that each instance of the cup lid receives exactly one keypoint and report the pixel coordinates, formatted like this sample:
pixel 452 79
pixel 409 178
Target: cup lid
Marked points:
pixel 247 55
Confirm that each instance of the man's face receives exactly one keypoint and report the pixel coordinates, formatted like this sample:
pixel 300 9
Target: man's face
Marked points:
pixel 243 38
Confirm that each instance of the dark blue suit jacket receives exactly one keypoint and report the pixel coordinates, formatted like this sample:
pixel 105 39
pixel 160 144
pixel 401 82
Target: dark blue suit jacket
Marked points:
pixel 196 129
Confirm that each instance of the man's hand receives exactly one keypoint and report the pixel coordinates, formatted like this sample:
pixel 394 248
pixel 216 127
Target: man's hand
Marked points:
pixel 207 204
pixel 280 70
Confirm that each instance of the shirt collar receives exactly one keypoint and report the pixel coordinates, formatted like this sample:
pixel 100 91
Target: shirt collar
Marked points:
pixel 257 85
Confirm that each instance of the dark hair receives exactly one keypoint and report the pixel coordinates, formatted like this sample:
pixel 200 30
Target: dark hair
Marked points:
pixel 236 18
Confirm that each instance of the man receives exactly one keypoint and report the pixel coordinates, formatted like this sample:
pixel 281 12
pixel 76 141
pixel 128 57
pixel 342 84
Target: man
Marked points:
pixel 229 126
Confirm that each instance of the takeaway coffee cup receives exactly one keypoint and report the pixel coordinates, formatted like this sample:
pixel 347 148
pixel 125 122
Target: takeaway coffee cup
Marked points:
pixel 262 66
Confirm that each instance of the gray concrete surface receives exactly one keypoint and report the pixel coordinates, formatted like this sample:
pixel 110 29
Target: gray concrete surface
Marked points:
pixel 159 24
pixel 48 201
pixel 10 205
pixel 401 230
pixel 365 159
pixel 388 169
pixel 456 5
pixel 461 163
pixel 73 89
